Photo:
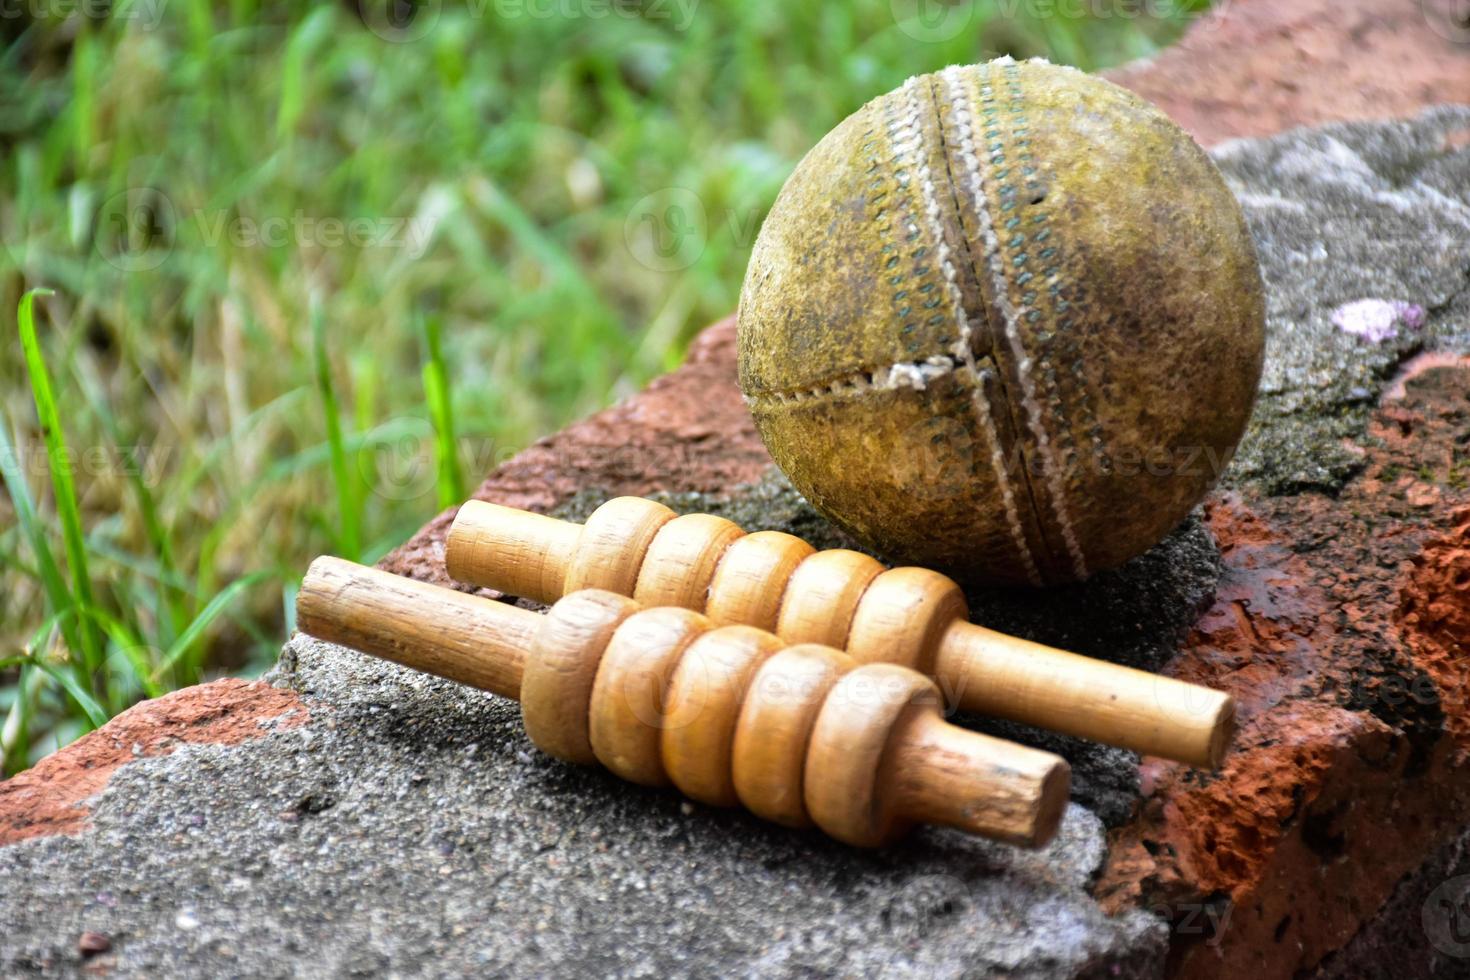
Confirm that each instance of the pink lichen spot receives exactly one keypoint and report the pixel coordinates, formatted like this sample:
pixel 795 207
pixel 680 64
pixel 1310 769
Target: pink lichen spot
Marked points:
pixel 1377 320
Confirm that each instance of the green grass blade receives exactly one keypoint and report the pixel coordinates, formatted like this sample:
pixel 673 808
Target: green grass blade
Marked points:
pixel 349 523
pixel 68 511
pixel 349 542
pixel 206 616
pixel 172 599
pixel 83 102
pixel 132 648
pixel 449 479
pixel 14 734
pixel 288 605
pixel 39 637
pixel 363 372
pixel 13 474
pixel 140 566
pixel 67 679
pixel 294 71
pixel 95 713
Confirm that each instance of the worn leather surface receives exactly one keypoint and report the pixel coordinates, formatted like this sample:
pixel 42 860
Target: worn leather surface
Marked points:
pixel 1005 320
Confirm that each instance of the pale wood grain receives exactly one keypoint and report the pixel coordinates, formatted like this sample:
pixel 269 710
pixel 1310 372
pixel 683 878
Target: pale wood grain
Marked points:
pixel 799 735
pixel 680 562
pixel 750 581
pixel 847 600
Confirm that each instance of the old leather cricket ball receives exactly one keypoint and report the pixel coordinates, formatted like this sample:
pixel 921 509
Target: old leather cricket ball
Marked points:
pixel 1007 321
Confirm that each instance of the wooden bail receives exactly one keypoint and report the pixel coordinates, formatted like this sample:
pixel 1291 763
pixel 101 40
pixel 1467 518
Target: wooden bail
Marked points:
pixel 843 599
pixel 882 758
pixel 800 735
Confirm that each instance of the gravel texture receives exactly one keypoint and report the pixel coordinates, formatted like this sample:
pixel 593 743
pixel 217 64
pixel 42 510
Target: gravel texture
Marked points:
pixel 413 829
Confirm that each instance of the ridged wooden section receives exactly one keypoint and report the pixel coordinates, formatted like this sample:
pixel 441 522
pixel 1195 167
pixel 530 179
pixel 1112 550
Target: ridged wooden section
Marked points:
pixel 800 735
pixel 842 599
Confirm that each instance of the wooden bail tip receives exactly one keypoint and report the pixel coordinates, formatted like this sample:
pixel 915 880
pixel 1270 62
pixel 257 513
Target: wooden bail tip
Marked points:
pixel 529 552
pixel 882 758
pixel 954 777
pixel 1004 676
pixel 471 640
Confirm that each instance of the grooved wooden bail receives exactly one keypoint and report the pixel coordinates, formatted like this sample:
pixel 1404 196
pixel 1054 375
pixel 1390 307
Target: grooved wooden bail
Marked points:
pixel 843 599
pixel 561 671
pixel 800 735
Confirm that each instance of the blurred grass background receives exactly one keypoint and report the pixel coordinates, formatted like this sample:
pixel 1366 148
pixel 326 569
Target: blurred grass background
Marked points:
pixel 318 267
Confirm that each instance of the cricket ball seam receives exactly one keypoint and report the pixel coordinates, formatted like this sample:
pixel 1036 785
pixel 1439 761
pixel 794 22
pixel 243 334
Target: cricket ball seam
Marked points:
pixel 1046 373
pixel 1009 316
pixel 1057 338
pixel 890 377
pixel 964 346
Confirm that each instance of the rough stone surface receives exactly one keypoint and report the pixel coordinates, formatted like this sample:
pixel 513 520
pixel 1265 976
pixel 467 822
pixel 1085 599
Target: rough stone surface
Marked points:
pixel 50 798
pixel 409 827
pixel 1308 199
pixel 1432 902
pixel 412 828
pixel 1256 67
